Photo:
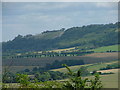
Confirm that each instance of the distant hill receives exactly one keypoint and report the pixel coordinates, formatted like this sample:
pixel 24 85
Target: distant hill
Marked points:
pixel 90 36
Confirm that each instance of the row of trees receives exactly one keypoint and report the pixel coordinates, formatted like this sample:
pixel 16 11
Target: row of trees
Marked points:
pixel 47 54
pixel 57 64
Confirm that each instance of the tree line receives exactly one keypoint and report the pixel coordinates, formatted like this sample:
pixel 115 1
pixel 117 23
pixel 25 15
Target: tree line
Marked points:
pixel 47 54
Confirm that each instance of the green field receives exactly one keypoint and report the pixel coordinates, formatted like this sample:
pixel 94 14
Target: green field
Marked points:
pixel 108 81
pixel 106 48
pixel 90 67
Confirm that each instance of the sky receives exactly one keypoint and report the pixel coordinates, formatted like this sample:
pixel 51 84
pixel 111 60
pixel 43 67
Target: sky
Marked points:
pixel 33 18
pixel 0 23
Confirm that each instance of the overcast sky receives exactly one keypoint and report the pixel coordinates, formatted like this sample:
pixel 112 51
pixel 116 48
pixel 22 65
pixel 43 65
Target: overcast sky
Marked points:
pixel 33 18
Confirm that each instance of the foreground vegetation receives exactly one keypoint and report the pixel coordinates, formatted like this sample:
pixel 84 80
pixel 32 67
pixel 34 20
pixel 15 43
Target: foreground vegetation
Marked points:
pixel 75 81
pixel 40 78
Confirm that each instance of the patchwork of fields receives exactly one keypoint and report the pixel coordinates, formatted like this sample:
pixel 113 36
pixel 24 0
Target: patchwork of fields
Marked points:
pixel 90 67
pixel 90 58
pixel 94 61
pixel 19 64
pixel 108 81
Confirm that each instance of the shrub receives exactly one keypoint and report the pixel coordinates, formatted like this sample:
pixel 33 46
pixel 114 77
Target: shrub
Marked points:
pixel 76 81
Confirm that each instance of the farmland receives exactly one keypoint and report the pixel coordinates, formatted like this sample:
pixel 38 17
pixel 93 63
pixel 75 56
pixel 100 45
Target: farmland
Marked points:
pixel 106 48
pixel 90 67
pixel 89 58
pixel 19 64
pixel 93 62
pixel 109 80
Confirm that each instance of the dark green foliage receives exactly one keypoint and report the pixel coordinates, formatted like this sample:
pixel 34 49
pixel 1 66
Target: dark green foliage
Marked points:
pixel 27 70
pixel 45 75
pixel 49 75
pixel 90 36
pixel 96 83
pixel 23 80
pixel 57 64
pixel 77 82
pixel 8 77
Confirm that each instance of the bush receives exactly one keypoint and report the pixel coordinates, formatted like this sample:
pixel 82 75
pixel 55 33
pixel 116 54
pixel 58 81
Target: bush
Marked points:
pixel 76 81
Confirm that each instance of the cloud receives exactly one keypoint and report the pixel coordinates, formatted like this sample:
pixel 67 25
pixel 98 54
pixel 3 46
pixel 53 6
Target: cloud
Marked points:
pixel 107 4
pixel 46 6
pixel 0 22
pixel 61 0
pixel 32 18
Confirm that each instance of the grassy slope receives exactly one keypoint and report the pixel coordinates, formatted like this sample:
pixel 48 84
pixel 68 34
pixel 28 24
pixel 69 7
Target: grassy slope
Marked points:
pixel 106 48
pixel 49 35
pixel 91 67
pixel 100 49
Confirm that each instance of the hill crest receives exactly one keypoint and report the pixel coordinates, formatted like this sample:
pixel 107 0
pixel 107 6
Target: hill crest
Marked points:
pixel 86 37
